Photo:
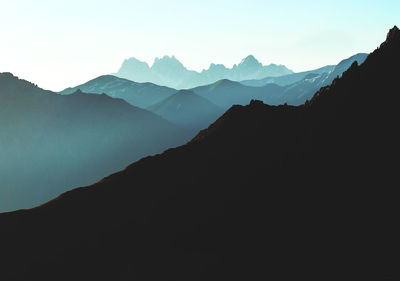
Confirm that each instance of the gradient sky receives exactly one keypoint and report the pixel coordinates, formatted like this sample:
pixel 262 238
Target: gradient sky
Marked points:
pixel 58 44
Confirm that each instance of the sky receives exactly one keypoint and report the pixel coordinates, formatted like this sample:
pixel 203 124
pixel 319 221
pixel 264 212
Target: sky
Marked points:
pixel 59 44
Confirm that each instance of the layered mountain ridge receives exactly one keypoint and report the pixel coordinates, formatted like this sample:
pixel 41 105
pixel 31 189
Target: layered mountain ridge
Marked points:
pixel 137 94
pixel 51 143
pixel 272 192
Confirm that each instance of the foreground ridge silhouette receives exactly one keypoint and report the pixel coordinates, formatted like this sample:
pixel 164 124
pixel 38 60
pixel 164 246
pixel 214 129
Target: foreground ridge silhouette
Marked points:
pixel 266 192
pixel 51 143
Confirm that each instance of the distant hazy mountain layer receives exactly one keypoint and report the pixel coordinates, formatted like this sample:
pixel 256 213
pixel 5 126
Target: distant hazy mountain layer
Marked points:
pixel 195 109
pixel 294 88
pixel 168 71
pixel 226 93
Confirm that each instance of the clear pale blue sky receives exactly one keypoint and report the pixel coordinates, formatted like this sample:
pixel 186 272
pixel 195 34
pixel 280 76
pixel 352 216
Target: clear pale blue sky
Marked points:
pixel 62 43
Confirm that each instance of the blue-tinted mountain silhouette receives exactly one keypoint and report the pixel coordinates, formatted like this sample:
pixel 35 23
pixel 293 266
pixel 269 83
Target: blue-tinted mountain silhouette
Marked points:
pixel 265 193
pixel 226 93
pixel 187 110
pixel 331 70
pixel 196 112
pixel 50 143
pixel 288 79
pixel 168 71
pixel 298 92
pixel 138 94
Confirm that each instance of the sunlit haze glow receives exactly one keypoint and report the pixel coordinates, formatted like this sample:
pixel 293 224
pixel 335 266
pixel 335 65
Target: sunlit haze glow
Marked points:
pixel 58 44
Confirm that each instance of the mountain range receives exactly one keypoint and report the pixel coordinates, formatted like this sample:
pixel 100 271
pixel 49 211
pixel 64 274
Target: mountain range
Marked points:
pixel 50 143
pixel 170 72
pixel 266 192
pixel 226 93
pixel 204 104
pixel 137 94
pixel 288 79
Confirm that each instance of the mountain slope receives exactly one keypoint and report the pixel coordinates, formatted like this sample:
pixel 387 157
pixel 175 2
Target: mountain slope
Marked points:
pixel 168 71
pixel 50 143
pixel 345 64
pixel 330 70
pixel 272 193
pixel 137 94
pixel 286 80
pixel 187 110
pixel 297 93
pixel 226 93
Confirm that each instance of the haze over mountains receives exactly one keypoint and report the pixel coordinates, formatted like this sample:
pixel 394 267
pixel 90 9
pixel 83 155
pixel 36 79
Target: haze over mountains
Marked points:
pixel 226 93
pixel 204 104
pixel 50 143
pixel 168 71
pixel 265 193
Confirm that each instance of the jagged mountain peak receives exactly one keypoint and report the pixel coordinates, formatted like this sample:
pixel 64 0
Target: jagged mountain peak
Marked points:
pixel 250 60
pixel 167 59
pixel 135 62
pixel 393 33
pixel 214 66
pixel 133 59
pixel 169 71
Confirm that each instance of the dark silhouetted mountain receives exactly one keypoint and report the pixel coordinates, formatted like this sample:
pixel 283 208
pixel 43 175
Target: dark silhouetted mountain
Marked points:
pixel 297 93
pixel 344 65
pixel 138 94
pixel 168 71
pixel 187 110
pixel 265 193
pixel 50 143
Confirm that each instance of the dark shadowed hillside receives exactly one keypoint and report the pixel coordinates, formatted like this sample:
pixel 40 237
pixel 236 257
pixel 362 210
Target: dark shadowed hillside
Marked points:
pixel 265 193
pixel 50 143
